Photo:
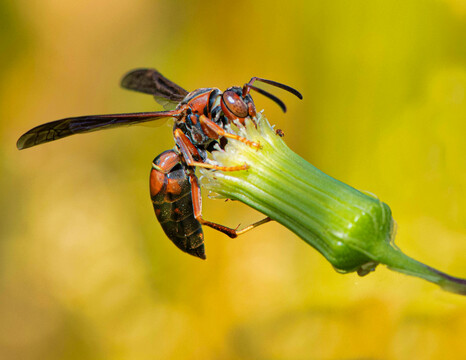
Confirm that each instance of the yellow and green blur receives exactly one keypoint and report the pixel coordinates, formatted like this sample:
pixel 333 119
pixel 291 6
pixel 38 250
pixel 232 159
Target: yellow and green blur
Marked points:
pixel 85 269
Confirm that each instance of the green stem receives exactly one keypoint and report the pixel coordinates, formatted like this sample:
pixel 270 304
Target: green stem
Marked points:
pixel 353 230
pixel 398 261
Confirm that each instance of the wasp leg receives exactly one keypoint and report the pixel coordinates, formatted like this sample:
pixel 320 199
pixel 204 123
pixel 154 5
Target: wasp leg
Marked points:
pixel 197 206
pixel 252 226
pixel 212 127
pixel 188 150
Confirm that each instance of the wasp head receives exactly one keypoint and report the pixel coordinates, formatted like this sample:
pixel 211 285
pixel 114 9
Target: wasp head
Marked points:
pixel 235 105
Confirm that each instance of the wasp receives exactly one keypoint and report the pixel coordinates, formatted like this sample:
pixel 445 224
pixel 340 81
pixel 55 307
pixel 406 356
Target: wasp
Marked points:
pixel 200 123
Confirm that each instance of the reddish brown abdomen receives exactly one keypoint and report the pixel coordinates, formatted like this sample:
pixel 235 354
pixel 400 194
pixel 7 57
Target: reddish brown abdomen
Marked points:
pixel 170 191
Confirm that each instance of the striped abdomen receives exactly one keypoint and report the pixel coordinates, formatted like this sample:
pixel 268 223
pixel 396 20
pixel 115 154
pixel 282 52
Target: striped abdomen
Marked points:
pixel 170 190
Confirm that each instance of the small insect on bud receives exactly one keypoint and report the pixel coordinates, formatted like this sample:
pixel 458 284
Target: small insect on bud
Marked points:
pixel 353 230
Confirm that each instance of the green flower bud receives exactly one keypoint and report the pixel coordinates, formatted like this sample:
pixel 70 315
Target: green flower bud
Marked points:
pixel 353 230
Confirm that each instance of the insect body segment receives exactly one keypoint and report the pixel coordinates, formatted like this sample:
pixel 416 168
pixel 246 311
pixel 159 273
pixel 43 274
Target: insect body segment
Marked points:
pixel 176 197
pixel 170 191
pixel 200 117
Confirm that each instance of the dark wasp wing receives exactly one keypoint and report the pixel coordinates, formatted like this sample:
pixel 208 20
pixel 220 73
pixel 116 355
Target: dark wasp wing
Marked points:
pixel 77 125
pixel 150 81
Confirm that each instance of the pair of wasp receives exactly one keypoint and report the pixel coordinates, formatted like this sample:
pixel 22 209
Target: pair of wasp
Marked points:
pixel 200 117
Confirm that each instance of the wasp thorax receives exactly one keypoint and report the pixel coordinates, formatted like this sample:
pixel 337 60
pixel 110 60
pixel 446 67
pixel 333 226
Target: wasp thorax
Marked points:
pixel 233 104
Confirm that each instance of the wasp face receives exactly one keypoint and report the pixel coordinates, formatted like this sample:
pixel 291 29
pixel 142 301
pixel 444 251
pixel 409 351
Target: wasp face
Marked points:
pixel 235 105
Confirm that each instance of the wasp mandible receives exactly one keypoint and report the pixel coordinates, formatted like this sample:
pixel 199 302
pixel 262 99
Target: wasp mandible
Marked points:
pixel 200 117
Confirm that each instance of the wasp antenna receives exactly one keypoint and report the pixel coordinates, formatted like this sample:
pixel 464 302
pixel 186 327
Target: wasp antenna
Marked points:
pixel 279 85
pixel 269 95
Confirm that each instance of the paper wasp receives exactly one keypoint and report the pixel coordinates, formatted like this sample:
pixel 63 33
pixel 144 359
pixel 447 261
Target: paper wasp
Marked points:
pixel 200 120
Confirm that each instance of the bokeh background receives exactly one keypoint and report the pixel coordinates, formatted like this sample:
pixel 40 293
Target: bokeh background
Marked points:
pixel 85 269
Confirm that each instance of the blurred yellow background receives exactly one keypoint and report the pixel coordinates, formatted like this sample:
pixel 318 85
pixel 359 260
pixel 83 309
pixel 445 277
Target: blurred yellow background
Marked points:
pixel 85 269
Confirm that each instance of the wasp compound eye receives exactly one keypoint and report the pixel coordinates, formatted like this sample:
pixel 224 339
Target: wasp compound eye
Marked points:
pixel 234 104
